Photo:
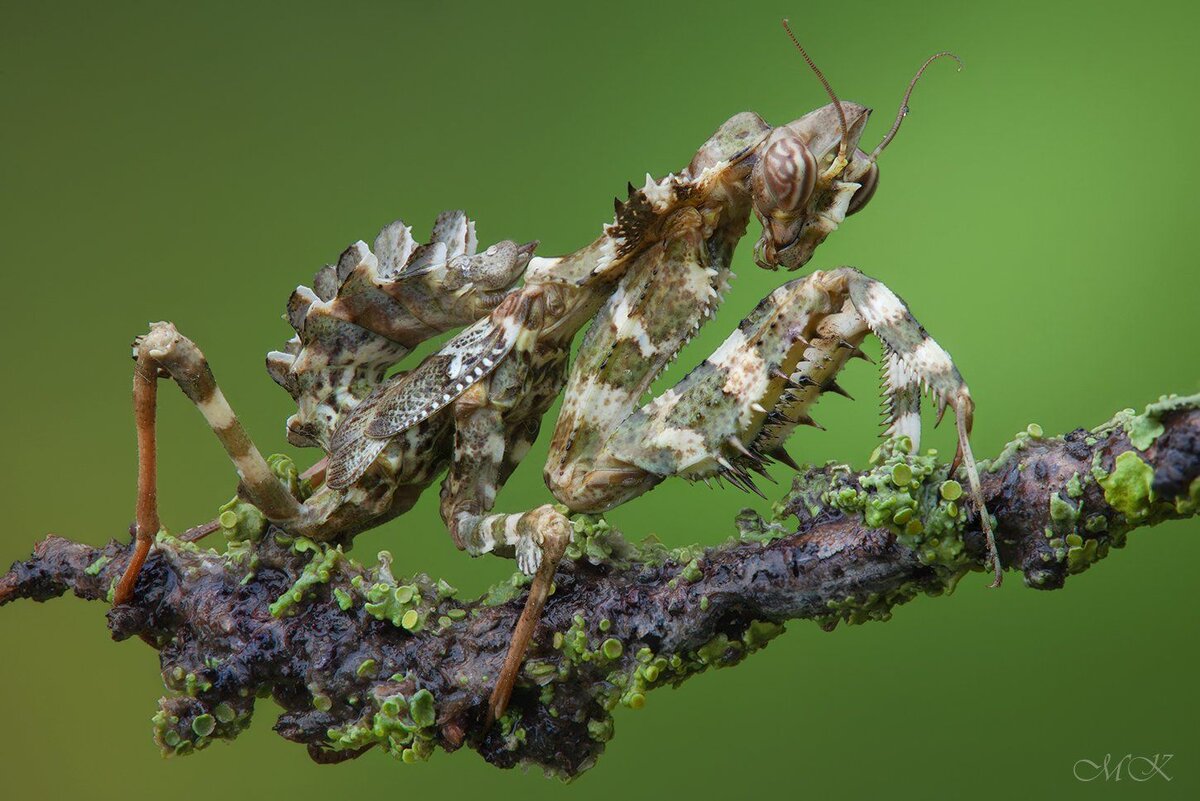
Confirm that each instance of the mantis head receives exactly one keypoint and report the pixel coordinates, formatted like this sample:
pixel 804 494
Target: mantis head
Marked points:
pixel 810 174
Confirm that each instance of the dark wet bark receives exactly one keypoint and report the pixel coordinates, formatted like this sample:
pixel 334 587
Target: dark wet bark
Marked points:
pixel 624 619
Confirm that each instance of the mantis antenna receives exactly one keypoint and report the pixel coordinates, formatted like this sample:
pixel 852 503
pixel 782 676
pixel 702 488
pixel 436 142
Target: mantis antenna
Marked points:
pixel 828 90
pixel 903 112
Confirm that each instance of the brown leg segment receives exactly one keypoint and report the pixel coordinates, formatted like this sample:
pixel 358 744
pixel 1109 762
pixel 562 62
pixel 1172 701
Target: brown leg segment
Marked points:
pixel 555 537
pixel 145 403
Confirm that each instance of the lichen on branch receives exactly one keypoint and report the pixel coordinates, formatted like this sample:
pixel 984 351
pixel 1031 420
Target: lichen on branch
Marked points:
pixel 359 658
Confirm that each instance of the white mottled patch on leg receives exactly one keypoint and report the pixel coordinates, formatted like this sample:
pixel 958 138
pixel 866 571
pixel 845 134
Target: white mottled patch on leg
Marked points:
pixel 494 447
pixel 486 540
pixel 662 405
pixel 687 443
pixel 881 306
pixel 216 411
pixel 929 358
pixel 600 404
pixel 698 280
pixel 907 425
pixel 629 326
pixel 746 376
pixel 730 349
pixel 518 450
pixel 510 529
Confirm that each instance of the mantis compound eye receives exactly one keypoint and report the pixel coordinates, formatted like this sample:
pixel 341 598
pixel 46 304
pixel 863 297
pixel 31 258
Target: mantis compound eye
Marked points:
pixel 784 177
pixel 869 181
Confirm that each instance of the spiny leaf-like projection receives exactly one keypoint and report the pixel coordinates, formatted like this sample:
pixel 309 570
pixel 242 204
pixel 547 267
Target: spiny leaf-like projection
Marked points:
pixel 364 314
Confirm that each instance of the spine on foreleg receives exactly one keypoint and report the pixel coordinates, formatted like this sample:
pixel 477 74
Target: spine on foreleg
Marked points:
pixel 835 340
pixel 902 400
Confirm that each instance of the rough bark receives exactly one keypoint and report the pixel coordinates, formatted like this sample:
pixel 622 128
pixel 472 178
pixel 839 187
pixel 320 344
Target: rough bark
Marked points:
pixel 357 658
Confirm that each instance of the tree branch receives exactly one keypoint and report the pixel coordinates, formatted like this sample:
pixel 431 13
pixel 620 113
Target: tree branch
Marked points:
pixel 357 658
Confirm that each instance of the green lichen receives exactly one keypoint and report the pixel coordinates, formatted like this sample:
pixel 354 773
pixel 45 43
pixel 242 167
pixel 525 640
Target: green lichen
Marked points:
pixel 759 633
pixel 241 521
pixel 283 467
pixel 1018 443
pixel 592 539
pixel 317 572
pixel 405 606
pixel 404 726
pixel 950 490
pixel 1082 554
pixel 1128 488
pixel 574 643
pixel 180 736
pixel 1074 486
pixel 186 682
pixel 691 571
pixel 511 732
pixel 1189 504
pixel 95 567
pixel 203 725
pixel 803 501
pixel 858 609
pixel 1143 429
pixel 1063 512
pixel 752 527
pixel 600 729
pixel 503 592
pixel 910 495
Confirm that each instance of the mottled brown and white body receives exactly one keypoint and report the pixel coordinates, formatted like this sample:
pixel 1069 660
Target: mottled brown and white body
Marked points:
pixel 645 285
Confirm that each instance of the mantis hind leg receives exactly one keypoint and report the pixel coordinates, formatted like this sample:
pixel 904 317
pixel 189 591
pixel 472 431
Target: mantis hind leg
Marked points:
pixel 145 407
pixel 164 351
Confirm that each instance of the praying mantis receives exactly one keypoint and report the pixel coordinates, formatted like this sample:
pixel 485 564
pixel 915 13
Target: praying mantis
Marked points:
pixel 642 288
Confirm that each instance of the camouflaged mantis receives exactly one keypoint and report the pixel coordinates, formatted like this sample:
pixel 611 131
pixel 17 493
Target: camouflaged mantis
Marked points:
pixel 645 285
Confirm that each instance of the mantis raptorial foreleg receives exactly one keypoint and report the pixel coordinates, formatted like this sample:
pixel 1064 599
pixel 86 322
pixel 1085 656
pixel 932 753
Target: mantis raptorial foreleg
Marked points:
pixel 733 413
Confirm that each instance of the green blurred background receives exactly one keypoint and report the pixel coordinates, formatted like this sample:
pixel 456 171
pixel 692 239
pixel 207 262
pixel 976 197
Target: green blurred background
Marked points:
pixel 194 162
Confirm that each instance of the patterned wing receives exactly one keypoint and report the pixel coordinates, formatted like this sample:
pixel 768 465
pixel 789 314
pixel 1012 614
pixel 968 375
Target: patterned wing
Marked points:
pixel 410 398
pixel 441 378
